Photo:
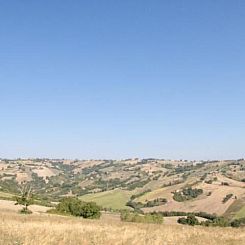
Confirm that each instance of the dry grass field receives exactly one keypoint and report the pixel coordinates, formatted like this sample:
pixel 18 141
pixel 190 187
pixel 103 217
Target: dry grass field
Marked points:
pixel 51 229
pixel 10 205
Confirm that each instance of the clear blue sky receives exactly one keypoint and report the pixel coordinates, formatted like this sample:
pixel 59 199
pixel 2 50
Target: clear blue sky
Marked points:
pixel 119 79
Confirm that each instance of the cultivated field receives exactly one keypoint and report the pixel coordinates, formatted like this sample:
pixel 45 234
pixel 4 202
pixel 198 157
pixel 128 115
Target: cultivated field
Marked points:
pixel 50 229
pixel 115 199
pixel 241 213
pixel 210 204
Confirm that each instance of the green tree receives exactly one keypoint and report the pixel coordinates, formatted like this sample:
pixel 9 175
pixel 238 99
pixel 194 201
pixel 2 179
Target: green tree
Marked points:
pixel 190 220
pixel 76 207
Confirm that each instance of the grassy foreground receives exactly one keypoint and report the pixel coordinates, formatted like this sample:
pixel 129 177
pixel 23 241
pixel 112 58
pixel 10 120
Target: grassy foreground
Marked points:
pixel 51 229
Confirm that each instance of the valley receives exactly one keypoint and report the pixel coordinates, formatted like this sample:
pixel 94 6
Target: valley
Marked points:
pixel 149 184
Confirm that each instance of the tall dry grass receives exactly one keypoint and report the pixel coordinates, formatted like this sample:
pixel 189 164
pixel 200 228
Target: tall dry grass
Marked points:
pixel 50 229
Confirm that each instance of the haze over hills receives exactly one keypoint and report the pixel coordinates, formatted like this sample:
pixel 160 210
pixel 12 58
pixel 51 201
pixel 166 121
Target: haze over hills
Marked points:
pixel 148 185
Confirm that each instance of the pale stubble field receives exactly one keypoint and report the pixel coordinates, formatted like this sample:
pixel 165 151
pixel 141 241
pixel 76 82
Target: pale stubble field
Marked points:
pixel 52 229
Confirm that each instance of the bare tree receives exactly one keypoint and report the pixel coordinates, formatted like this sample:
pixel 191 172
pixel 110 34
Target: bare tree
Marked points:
pixel 25 199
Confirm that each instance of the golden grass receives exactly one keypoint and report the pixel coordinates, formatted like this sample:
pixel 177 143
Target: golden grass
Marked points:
pixel 51 229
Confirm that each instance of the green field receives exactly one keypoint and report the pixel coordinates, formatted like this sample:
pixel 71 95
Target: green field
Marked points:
pixel 115 199
pixel 5 195
pixel 236 210
pixel 240 213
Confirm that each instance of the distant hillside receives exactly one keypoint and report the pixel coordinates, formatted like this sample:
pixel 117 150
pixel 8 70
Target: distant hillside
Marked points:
pixel 144 184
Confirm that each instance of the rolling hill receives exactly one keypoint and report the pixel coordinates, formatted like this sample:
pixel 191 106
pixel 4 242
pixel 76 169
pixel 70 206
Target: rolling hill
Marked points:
pixel 215 187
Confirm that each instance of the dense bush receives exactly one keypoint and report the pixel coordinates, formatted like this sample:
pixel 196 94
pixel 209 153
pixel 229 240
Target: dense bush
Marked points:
pixel 238 222
pixel 140 194
pixel 193 193
pixel 187 194
pixel 190 220
pixel 227 197
pixel 138 205
pixel 76 207
pixel 178 197
pixel 137 184
pixel 156 202
pixel 219 221
pixel 181 169
pixel 225 183
pixel 135 205
pixel 174 182
pixel 139 218
pixel 181 213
